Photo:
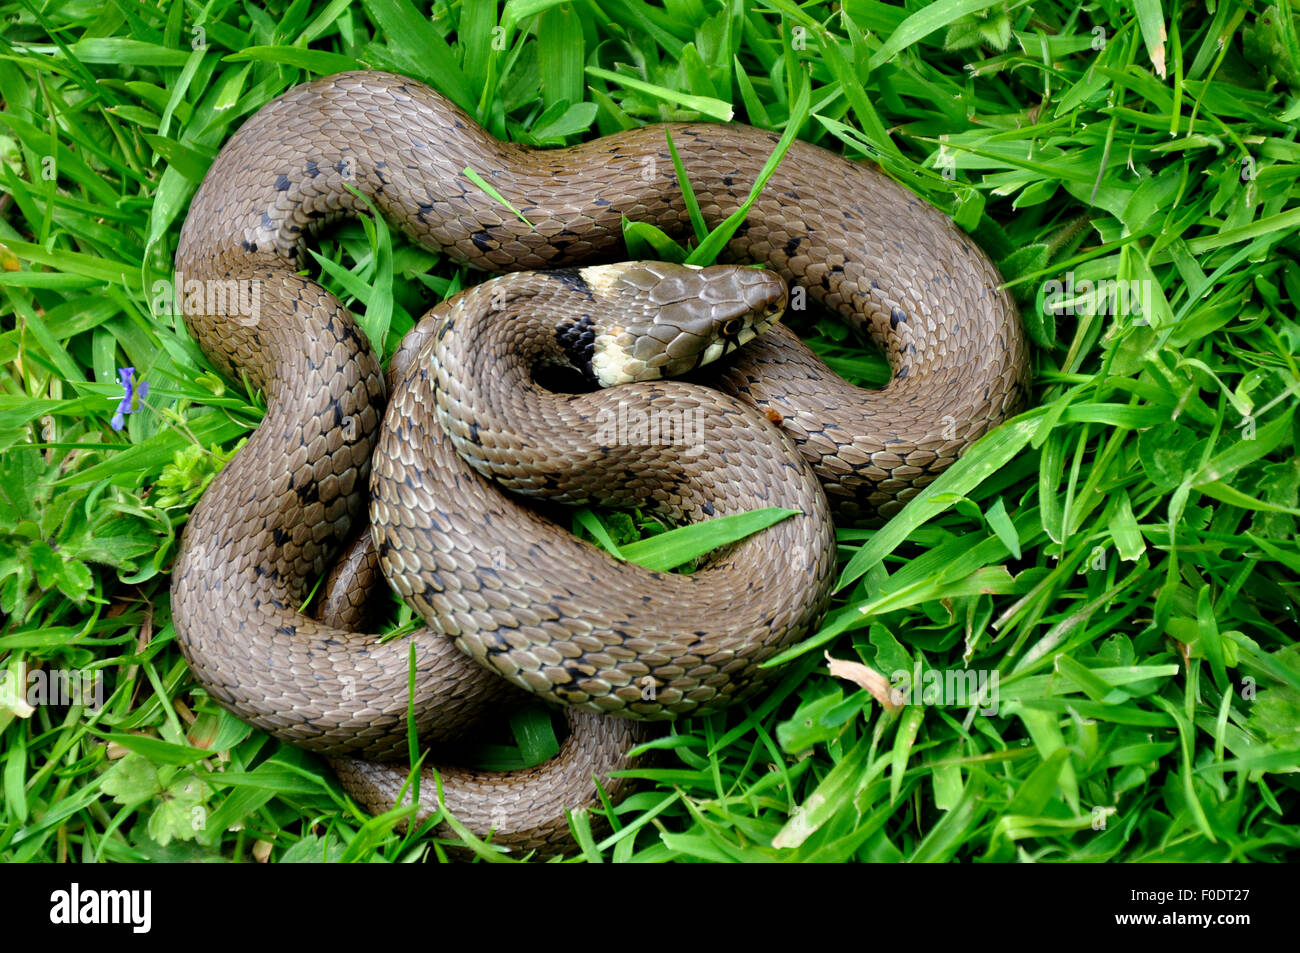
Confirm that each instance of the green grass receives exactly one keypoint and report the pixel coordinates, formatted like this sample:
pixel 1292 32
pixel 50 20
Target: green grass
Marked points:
pixel 1123 555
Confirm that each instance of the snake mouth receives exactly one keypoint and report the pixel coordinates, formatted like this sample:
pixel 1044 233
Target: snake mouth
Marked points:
pixel 733 342
pixel 766 324
pixel 671 319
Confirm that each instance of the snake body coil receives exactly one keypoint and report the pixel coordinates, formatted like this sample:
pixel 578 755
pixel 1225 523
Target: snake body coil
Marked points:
pixel 524 597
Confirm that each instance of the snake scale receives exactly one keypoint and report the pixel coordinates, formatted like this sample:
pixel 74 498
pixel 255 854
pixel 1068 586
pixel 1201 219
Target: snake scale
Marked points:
pixel 493 579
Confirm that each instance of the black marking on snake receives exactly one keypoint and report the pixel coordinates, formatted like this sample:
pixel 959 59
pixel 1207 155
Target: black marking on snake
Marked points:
pixel 498 646
pixel 473 434
pixel 443 328
pixel 572 277
pixel 902 372
pixel 482 240
pixel 308 493
pixel 577 338
pixel 708 507
pixel 280 536
pixel 431 589
pixel 792 246
pixel 287 629
pixel 727 180
pixel 896 317
pixel 578 672
pixel 282 183
pixel 266 221
pixel 600 202
pixel 252 247
pixel 350 332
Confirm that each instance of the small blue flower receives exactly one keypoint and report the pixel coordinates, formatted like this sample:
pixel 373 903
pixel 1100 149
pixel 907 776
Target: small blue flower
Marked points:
pixel 125 375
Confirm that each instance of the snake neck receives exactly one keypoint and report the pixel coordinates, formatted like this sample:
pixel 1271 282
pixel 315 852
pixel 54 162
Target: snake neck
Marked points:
pixel 636 444
pixel 482 358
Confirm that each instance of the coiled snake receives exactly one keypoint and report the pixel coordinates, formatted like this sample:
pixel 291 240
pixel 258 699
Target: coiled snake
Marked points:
pixel 525 598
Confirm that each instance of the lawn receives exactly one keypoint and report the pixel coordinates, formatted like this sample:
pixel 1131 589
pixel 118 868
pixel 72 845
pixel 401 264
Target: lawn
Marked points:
pixel 1115 571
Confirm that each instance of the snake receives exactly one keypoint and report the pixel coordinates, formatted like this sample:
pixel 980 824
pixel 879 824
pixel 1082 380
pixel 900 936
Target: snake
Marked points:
pixel 512 601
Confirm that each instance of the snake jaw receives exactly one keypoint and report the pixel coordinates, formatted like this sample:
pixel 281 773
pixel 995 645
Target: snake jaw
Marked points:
pixel 612 362
pixel 724 346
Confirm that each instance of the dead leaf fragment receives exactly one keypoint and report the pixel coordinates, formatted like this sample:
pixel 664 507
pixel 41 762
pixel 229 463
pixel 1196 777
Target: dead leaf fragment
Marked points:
pixel 890 698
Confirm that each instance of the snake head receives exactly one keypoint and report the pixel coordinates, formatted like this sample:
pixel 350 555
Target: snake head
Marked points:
pixel 665 319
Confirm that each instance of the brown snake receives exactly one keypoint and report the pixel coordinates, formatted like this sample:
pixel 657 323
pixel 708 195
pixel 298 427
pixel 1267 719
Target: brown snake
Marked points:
pixel 553 614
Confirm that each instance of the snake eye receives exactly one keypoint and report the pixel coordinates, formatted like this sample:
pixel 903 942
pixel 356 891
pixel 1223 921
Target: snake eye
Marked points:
pixel 731 328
